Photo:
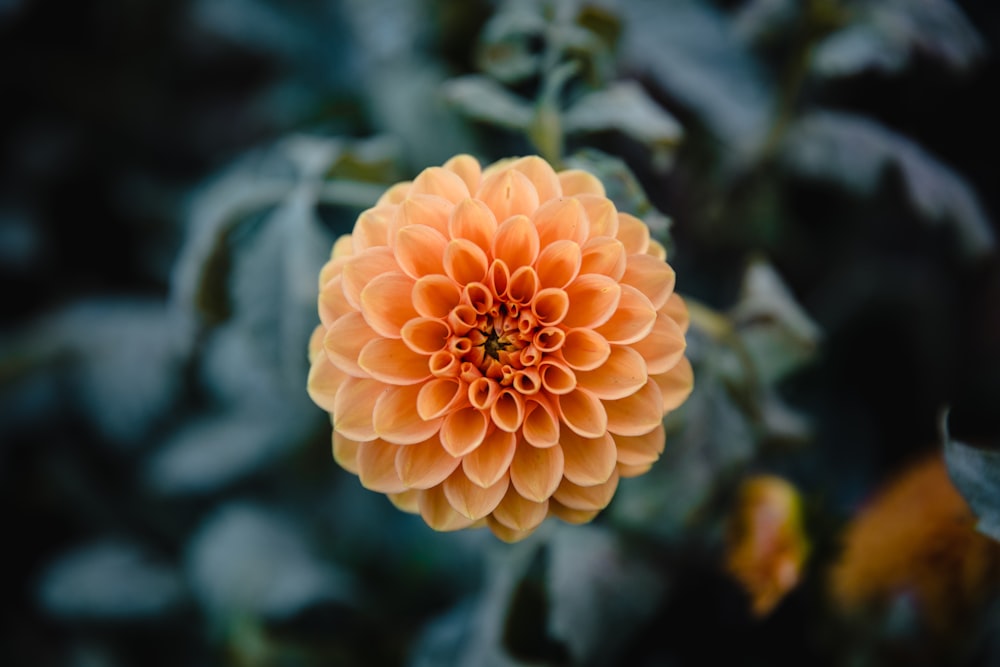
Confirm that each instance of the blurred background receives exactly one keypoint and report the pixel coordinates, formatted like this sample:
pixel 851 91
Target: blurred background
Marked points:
pixel 173 174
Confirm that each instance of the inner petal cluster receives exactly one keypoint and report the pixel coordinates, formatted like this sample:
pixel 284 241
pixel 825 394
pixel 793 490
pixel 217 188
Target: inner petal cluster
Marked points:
pixel 498 345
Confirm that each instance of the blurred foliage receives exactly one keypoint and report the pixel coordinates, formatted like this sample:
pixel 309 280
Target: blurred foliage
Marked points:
pixel 173 174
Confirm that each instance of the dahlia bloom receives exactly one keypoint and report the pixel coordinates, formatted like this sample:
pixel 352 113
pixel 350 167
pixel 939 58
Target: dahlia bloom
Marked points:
pixel 497 345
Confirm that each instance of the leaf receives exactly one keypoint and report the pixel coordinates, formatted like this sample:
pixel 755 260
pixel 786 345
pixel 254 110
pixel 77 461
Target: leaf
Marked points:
pixel 854 151
pixel 693 51
pixel 626 107
pixel 246 559
pixel 504 51
pixel 855 49
pixel 975 471
pixel 109 580
pixel 485 100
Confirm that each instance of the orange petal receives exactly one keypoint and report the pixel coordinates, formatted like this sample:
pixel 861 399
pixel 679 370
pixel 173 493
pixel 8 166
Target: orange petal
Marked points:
pixel 483 392
pixel 558 263
pixel 633 319
pixel 396 194
pixel 440 396
pixel 562 219
pixel 584 350
pixel 678 311
pixel 593 299
pixel 637 414
pixel 408 501
pixel 377 467
pixel 508 193
pixel 587 498
pixel 627 471
pixel 386 303
pixel 465 262
pixel 491 460
pixel 362 269
pixel 556 377
pixel 536 473
pixel 676 384
pixel 435 296
pixel 623 374
pixel 601 213
pixel 463 430
pixel 473 221
pixel 578 182
pixel 652 277
pixel 345 452
pixel 549 339
pixel 316 342
pixel 575 517
pixel 641 450
pixel 498 278
pixel 508 411
pixel 395 418
pixel 353 406
pixel 523 285
pixel 541 423
pixel 550 306
pixel 519 513
pixel 541 174
pixel 425 464
pixel 425 336
pixel 427 210
pixel 516 242
pixel 467 168
pixel 588 461
pixel 344 341
pixel 324 381
pixel 392 362
pixel 332 303
pixel 502 532
pixel 372 228
pixel 473 501
pixel 604 255
pixel 441 182
pixel 420 250
pixel 663 347
pixel 657 250
pixel 583 413
pixel 438 513
pixel 343 247
pixel 633 233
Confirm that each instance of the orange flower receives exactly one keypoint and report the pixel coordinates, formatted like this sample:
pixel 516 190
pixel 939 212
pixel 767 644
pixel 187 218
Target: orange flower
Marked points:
pixel 767 546
pixel 498 345
pixel 917 540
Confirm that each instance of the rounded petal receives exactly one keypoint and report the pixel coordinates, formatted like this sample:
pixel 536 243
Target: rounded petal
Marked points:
pixel 324 382
pixel 345 452
pixel 652 277
pixel 392 362
pixel 593 299
pixel 587 498
pixel 442 182
pixel 584 349
pixel 471 500
pixel 425 464
pixel 633 233
pixel 678 311
pixel 435 296
pixel 623 374
pixel 395 418
pixel 523 285
pixel 332 303
pixel 601 213
pixel 420 250
pixel 550 306
pixel 502 532
pixel 633 319
pixel 463 430
pixel 558 263
pixel 429 210
pixel 372 228
pixel 508 411
pixel 583 413
pixel 344 341
pixel 519 513
pixel 362 269
pixel 377 467
pixel 640 450
pixel 578 182
pixel 396 194
pixel 663 347
pixel 467 168
pixel 473 221
pixel 571 516
pixel 588 461
pixel 386 303
pixel 438 513
pixel 541 423
pixel 627 471
pixel 516 242
pixel 465 262
pixel 536 471
pixel 605 256
pixel 440 396
pixel 556 377
pixel 353 406
pixel 676 384
pixel 549 339
pixel 637 414
pixel 541 174
pixel 508 193
pixel 408 501
pixel 562 219
pixel 491 460
pixel 425 335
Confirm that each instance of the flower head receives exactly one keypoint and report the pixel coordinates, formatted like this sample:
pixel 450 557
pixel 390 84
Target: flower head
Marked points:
pixel 497 345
